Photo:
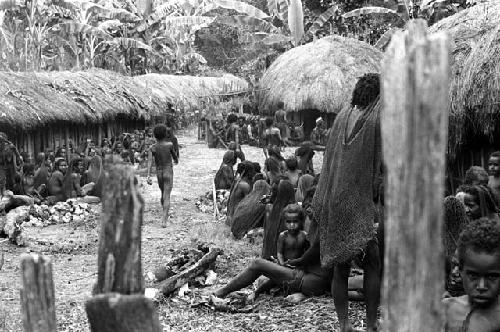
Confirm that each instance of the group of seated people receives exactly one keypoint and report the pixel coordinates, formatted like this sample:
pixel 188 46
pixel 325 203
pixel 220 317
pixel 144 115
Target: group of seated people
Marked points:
pixel 68 171
pixel 279 199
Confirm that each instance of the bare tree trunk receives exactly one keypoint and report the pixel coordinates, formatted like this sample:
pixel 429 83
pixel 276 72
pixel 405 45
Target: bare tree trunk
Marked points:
pixel 416 75
pixel 37 294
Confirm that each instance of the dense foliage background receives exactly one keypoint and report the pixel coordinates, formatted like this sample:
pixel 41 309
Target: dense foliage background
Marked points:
pixel 197 37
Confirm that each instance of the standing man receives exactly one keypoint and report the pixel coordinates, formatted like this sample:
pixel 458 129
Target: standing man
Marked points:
pixel 10 161
pixel 280 121
pixel 344 203
pixel 164 153
pixel 318 135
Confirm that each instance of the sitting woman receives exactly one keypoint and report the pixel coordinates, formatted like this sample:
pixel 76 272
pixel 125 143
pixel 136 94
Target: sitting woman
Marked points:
pixel 56 180
pixel 250 211
pixel 72 180
pixel 94 175
pixel 291 171
pixel 301 275
pixel 305 183
pixel 274 223
pixel 241 188
pixel 479 202
pixel 225 175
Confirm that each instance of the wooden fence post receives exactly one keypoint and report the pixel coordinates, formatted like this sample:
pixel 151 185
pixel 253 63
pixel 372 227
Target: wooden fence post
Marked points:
pixel 415 85
pixel 37 294
pixel 119 253
pixel 120 305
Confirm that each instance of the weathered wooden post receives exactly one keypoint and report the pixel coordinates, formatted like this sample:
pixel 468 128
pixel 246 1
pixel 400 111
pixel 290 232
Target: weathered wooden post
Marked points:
pixel 414 121
pixel 119 253
pixel 37 294
pixel 119 304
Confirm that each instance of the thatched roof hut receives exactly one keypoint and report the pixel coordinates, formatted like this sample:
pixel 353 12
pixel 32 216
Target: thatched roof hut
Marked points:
pixel 319 75
pixel 475 87
pixel 31 100
pixel 190 90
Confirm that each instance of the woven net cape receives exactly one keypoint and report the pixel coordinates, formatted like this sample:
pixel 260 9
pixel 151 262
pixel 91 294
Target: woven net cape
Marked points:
pixel 343 204
pixel 250 211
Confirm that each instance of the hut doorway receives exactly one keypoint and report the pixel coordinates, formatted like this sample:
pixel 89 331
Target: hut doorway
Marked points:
pixel 308 118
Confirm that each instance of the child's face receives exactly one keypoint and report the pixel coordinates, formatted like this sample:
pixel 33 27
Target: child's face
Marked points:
pixel 292 222
pixel 494 166
pixel 472 208
pixel 481 277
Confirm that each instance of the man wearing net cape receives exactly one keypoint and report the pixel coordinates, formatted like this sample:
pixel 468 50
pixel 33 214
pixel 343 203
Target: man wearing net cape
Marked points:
pixel 345 202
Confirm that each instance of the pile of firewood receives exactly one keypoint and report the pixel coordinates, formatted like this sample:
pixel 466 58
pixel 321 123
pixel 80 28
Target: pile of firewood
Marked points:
pixel 191 267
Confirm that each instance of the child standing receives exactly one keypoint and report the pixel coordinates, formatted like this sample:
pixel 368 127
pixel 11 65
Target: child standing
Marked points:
pixel 164 153
pixel 479 262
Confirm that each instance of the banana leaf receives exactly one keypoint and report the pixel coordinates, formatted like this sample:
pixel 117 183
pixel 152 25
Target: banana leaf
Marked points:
pixel 238 21
pixel 296 21
pixel 81 28
pixel 322 19
pixel 369 11
pixel 241 7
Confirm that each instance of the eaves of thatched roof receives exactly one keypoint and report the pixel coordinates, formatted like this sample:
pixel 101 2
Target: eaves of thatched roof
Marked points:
pixel 319 75
pixel 188 91
pixel 475 85
pixel 29 100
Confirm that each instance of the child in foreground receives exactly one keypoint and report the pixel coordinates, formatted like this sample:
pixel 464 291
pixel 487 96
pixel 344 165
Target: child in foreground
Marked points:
pixel 292 243
pixel 479 262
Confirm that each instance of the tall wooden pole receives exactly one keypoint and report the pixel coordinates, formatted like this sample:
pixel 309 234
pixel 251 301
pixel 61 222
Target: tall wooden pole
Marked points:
pixel 37 294
pixel 414 121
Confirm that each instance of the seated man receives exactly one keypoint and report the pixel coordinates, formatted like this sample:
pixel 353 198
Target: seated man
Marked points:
pixel 479 262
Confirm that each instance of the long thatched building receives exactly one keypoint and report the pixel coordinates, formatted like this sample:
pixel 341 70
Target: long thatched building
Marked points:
pixel 45 110
pixel 474 124
pixel 316 79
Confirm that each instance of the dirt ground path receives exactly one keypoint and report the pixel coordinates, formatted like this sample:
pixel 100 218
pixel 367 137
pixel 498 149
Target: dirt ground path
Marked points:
pixel 73 250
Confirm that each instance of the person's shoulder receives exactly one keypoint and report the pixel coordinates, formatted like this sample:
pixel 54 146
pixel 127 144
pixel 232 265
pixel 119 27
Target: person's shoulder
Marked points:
pixel 455 310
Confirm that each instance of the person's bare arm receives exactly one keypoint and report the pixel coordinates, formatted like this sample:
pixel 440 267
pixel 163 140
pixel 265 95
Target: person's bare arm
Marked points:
pixel 281 248
pixel 310 257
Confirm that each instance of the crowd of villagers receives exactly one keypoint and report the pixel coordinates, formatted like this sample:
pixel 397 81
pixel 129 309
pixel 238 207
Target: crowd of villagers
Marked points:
pixel 317 227
pixel 251 129
pixel 69 172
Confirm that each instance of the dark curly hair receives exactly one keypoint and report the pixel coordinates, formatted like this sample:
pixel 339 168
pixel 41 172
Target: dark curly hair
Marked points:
pixel 295 208
pixel 291 163
pixel 482 235
pixel 232 118
pixel 366 91
pixel 160 132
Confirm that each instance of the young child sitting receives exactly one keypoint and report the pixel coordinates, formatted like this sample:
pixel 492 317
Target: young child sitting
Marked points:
pixel 494 174
pixel 479 263
pixel 292 243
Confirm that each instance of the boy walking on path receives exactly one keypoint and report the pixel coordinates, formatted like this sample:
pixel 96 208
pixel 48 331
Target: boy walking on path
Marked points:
pixel 165 155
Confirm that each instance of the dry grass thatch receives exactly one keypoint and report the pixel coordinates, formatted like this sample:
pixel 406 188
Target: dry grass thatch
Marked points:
pixel 31 100
pixel 320 75
pixel 188 91
pixel 475 86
